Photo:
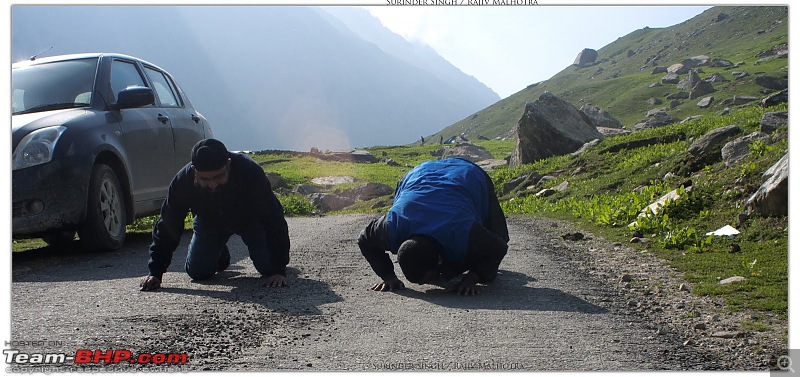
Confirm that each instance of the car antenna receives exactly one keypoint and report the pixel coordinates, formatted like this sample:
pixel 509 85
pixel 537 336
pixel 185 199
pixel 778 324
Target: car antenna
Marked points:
pixel 45 50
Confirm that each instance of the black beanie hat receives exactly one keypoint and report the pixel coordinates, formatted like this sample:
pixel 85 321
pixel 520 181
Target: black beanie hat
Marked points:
pixel 209 155
pixel 416 256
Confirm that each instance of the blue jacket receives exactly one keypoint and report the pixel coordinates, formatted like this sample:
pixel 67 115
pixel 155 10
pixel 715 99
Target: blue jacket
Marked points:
pixel 439 199
pixel 451 201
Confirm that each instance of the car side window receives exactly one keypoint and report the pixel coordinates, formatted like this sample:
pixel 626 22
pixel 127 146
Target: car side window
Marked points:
pixel 123 75
pixel 163 87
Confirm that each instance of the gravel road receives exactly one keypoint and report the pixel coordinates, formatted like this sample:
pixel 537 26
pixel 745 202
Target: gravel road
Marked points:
pixel 556 305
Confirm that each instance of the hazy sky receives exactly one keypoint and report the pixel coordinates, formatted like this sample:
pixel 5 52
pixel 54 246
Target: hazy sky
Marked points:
pixel 508 48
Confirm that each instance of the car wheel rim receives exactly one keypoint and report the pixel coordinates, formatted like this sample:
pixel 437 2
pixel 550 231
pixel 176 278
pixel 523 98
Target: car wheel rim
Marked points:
pixel 110 207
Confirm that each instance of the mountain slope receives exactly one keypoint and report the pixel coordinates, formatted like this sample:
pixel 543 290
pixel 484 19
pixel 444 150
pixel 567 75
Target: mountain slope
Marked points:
pixel 620 80
pixel 266 77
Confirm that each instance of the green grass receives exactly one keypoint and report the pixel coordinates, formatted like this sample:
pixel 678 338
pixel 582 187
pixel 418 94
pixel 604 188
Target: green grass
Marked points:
pixel 603 199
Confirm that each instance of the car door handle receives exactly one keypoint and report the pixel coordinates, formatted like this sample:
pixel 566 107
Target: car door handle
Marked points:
pixel 195 118
pixel 163 118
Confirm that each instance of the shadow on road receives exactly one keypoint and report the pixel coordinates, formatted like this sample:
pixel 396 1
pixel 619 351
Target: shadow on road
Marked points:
pixel 251 289
pixel 509 291
pixel 73 263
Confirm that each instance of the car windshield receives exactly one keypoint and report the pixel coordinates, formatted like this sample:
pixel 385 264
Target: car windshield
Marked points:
pixel 52 86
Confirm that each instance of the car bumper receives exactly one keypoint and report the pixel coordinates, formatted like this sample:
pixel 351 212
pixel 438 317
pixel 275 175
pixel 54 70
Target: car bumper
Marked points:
pixel 50 196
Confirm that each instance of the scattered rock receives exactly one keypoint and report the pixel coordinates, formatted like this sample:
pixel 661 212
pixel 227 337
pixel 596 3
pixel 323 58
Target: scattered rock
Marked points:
pixel 771 121
pixel 731 280
pixel 772 198
pixel 735 151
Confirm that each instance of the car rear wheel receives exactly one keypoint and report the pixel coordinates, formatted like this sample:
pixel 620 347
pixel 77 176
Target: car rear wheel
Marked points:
pixel 104 228
pixel 59 238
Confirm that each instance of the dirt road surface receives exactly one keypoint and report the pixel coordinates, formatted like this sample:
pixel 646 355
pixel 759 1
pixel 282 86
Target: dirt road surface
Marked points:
pixel 543 313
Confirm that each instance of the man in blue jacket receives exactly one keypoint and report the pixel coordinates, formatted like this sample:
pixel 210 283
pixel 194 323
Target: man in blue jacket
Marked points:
pixel 445 221
pixel 228 193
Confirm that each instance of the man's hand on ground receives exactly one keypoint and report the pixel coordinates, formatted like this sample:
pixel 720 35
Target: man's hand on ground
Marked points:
pixel 150 283
pixel 389 285
pixel 467 285
pixel 275 281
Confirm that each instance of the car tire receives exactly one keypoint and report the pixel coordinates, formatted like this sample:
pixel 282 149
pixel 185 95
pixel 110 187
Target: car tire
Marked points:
pixel 104 228
pixel 59 238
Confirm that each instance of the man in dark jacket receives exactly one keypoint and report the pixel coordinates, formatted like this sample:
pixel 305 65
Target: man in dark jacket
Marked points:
pixel 228 193
pixel 445 221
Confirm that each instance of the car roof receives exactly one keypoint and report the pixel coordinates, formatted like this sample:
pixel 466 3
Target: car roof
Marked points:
pixel 50 59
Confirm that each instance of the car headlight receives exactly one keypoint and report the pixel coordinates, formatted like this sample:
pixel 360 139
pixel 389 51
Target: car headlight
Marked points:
pixel 36 147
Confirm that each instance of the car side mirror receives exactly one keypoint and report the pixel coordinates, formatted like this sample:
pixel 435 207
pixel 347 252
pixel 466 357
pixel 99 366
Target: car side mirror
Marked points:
pixel 134 96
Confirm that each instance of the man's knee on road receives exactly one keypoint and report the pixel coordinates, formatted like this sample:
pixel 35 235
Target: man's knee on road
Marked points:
pixel 200 273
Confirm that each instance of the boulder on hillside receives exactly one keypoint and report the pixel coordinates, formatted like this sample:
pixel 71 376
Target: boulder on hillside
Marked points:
pixel 738 100
pixel 735 151
pixel 772 198
pixel 678 69
pixel 690 81
pixel 585 58
pixel 671 78
pixel 776 98
pixel 655 118
pixel 772 82
pixel 470 151
pixel 305 189
pixel 521 182
pixel 722 63
pixel 659 69
pixel 705 102
pixel 716 77
pixel 276 181
pixel 325 202
pixel 773 120
pixel 707 149
pixel 696 61
pixel 601 118
pixel 700 89
pixel 367 191
pixel 550 126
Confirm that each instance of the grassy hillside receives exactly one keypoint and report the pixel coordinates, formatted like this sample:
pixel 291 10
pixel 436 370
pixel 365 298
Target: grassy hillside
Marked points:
pixel 620 79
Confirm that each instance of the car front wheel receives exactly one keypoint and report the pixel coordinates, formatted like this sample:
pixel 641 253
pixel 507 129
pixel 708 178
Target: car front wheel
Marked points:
pixel 104 228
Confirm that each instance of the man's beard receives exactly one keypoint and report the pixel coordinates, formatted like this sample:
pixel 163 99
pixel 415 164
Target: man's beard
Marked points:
pixel 209 194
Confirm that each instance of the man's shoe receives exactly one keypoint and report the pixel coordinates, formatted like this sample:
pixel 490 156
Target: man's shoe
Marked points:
pixel 224 259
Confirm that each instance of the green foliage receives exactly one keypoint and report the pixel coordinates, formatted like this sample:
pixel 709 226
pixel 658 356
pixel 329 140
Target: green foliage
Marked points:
pixel 295 204
pixel 613 188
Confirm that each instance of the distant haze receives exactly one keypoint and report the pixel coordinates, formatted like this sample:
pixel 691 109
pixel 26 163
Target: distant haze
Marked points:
pixel 270 77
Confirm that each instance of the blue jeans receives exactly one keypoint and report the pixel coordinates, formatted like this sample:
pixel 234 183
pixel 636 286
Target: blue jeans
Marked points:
pixel 210 238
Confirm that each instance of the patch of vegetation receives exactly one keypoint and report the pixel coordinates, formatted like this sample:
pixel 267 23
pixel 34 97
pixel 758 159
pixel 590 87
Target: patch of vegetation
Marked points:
pixel 611 189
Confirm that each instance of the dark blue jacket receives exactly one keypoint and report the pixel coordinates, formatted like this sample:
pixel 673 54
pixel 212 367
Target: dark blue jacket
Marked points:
pixel 451 201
